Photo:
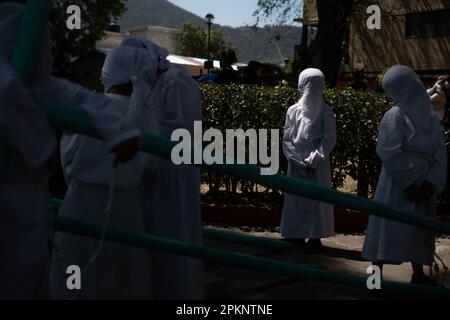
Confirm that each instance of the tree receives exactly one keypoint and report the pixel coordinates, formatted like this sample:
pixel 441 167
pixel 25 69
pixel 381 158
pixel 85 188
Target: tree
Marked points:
pixel 332 28
pixel 192 41
pixel 278 11
pixel 96 16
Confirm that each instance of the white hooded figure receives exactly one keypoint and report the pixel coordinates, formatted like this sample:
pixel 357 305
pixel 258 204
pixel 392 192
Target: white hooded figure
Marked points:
pixel 171 197
pixel 119 271
pixel 24 212
pixel 308 140
pixel 412 148
pixel 438 96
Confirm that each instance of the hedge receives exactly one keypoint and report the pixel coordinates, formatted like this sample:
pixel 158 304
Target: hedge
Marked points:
pixel 358 116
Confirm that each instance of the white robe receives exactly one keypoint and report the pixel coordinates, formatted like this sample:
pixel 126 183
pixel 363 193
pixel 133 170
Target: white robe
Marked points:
pixel 24 190
pixel 119 272
pixel 404 155
pixel 171 198
pixel 304 218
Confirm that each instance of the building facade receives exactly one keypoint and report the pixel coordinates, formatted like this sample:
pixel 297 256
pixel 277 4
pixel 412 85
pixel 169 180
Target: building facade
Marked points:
pixel 414 33
pixel 164 37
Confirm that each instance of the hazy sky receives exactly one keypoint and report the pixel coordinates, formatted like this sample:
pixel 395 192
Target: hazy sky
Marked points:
pixel 227 12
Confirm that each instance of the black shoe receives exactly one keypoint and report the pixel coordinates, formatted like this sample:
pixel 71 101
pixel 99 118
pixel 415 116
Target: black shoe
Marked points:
pixel 298 242
pixel 313 246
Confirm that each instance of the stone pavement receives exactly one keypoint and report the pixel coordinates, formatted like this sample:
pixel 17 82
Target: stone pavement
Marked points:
pixel 342 254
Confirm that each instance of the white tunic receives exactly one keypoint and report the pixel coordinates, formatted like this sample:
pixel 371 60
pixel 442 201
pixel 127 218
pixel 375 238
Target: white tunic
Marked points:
pixel 404 153
pixel 119 272
pixel 304 218
pixel 24 191
pixel 171 198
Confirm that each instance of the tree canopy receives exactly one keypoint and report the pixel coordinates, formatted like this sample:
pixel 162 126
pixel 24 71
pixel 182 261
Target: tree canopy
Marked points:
pixel 279 11
pixel 332 29
pixel 96 16
pixel 192 41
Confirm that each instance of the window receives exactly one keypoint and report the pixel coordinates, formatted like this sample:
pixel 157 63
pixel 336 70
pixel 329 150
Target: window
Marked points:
pixel 428 24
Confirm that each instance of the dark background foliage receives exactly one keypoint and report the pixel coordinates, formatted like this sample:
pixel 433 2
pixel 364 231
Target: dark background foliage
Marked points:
pixel 68 45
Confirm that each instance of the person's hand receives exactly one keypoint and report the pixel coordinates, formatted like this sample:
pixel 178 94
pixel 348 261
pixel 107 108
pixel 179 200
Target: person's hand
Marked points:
pixel 314 159
pixel 125 151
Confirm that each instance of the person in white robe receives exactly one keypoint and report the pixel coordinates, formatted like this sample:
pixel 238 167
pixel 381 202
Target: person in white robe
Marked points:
pixel 24 213
pixel 438 96
pixel 171 197
pixel 308 140
pixel 412 148
pixel 118 271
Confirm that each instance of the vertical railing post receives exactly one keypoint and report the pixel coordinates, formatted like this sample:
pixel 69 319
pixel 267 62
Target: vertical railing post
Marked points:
pixel 28 41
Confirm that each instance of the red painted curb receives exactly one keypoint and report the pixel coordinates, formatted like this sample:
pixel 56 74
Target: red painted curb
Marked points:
pixel 345 221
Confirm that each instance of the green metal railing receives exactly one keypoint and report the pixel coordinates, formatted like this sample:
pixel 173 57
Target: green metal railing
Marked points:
pixel 237 260
pixel 76 120
pixel 221 234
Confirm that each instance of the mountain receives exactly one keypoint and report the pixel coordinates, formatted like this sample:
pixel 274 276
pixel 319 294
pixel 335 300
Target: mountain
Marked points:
pixel 260 43
pixel 156 13
pixel 251 43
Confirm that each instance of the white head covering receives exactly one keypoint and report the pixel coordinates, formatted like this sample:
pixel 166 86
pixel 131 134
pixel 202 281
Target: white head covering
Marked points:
pixel 311 83
pixel 403 85
pixel 152 48
pixel 129 64
pixel 11 17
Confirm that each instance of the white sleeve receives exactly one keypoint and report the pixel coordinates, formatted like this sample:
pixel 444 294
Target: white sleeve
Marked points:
pixel 327 143
pixel 111 126
pixel 22 123
pixel 182 104
pixel 405 169
pixel 69 148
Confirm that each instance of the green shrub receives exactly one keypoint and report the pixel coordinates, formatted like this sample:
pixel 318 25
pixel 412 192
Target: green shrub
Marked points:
pixel 358 115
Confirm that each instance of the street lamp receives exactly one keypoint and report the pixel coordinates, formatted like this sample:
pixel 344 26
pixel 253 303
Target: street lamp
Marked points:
pixel 209 20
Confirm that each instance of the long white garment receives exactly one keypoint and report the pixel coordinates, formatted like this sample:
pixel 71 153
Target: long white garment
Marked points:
pixel 119 272
pixel 171 198
pixel 412 148
pixel 24 191
pixel 309 137
pixel 438 98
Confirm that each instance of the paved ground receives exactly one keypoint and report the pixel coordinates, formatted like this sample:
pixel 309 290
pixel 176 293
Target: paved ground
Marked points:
pixel 342 254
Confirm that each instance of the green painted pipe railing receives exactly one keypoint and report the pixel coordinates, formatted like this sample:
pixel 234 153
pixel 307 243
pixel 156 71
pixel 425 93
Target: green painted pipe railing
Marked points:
pixel 236 260
pixel 29 38
pixel 221 235
pixel 72 119
pixel 76 120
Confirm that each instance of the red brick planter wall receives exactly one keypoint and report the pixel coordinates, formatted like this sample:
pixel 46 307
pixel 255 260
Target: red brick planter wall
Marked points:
pixel 346 221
